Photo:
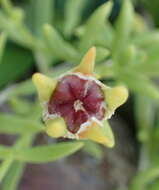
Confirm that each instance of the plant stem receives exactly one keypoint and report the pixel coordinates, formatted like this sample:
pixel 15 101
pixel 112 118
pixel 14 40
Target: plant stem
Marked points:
pixel 24 141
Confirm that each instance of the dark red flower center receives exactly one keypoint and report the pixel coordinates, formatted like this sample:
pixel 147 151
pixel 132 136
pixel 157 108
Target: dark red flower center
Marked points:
pixel 77 100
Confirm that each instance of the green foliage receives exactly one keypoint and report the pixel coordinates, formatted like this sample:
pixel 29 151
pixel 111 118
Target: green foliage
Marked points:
pixel 13 124
pixel 7 65
pixel 12 178
pixel 73 10
pixel 127 52
pixel 93 149
pixel 48 153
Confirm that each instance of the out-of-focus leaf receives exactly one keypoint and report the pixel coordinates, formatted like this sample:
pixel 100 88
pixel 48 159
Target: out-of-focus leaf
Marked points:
pixel 93 149
pixel 24 88
pixel 20 106
pixel 18 32
pixel 48 153
pixel 152 8
pixel 144 178
pixel 97 28
pixel 145 116
pixel 7 6
pixel 13 124
pixel 41 17
pixel 5 166
pixel 3 39
pixel 73 11
pixel 58 46
pixel 105 70
pixel 5 152
pixel 154 185
pixel 127 56
pixel 14 57
pixel 124 25
pixel 153 142
pixel 146 39
pixel 15 169
pixel 139 24
pixel 138 83
pixel 102 53
pixel 25 108
pixel 13 176
pixel 148 69
pixel 152 54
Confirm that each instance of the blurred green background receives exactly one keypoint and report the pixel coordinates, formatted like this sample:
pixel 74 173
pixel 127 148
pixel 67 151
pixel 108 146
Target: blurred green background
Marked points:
pixel 51 36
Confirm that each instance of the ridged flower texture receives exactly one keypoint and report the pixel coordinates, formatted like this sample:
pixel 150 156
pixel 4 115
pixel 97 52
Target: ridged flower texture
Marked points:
pixel 77 105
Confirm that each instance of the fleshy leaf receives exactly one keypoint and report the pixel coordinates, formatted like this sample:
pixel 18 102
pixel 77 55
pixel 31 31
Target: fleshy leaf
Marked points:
pixel 58 46
pixel 124 25
pixel 14 124
pixel 93 149
pixel 11 180
pixel 101 134
pixel 44 85
pixel 139 83
pixel 115 97
pixel 73 11
pixel 47 153
pixel 3 40
pixel 96 27
pixel 87 64
pixel 56 127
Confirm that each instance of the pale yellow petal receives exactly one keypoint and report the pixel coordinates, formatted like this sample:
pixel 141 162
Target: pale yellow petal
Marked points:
pixel 115 97
pixel 87 64
pixel 101 134
pixel 44 85
pixel 56 127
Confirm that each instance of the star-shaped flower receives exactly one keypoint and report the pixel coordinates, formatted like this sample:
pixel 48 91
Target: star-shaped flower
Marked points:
pixel 77 105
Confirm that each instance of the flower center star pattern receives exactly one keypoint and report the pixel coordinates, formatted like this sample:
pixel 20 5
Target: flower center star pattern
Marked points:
pixel 77 100
pixel 77 105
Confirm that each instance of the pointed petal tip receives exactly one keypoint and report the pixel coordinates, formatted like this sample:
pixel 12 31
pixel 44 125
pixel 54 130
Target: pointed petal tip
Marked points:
pixel 100 134
pixel 116 96
pixel 56 128
pixel 87 64
pixel 92 51
pixel 90 55
pixel 123 91
pixel 35 77
pixel 44 85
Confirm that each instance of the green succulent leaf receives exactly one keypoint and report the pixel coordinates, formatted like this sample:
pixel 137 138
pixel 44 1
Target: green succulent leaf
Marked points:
pixel 18 32
pixel 58 46
pixel 144 178
pixel 14 58
pixel 145 116
pixel 138 83
pixel 73 11
pixel 38 18
pixel 5 152
pixel 95 31
pixel 102 54
pixel 123 30
pixel 93 149
pixel 11 180
pixel 3 39
pixel 47 153
pixel 13 124
pixel 4 167
pixel 146 39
